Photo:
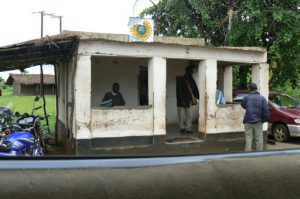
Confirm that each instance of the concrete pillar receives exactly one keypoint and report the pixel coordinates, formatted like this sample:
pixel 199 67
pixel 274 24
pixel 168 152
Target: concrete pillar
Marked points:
pixel 228 83
pixel 260 76
pixel 157 93
pixel 207 87
pixel 83 97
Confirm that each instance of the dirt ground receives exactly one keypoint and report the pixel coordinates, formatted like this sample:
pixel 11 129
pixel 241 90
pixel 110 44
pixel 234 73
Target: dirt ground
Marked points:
pixel 293 143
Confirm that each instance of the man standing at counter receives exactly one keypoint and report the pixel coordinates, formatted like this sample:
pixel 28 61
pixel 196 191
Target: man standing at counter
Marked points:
pixel 257 112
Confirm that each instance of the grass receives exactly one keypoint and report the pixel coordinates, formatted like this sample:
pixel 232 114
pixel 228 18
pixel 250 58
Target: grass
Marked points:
pixel 25 104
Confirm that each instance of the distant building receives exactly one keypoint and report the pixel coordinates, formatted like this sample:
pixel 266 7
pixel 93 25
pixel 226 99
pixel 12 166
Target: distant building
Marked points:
pixel 29 84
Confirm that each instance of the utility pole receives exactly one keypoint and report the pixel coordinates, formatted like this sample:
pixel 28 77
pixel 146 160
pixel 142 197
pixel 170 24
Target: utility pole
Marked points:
pixel 42 23
pixel 55 16
pixel 42 90
pixel 43 13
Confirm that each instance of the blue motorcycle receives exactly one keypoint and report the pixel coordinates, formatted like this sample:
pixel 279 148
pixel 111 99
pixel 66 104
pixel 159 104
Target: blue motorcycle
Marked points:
pixel 27 142
pixel 23 138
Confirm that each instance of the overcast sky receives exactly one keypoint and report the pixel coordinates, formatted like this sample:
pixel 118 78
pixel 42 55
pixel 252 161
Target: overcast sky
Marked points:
pixel 19 22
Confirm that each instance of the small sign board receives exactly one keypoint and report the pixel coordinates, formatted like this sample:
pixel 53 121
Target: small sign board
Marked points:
pixel 140 29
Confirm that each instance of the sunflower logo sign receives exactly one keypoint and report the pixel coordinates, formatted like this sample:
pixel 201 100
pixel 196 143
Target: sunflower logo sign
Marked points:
pixel 140 30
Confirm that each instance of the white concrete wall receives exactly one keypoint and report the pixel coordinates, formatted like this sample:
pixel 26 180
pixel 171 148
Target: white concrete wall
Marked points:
pixel 207 108
pixel 70 96
pixel 82 99
pixel 229 119
pixel 157 66
pixel 61 94
pixel 95 76
pixel 217 118
pixel 103 47
pixel 228 83
pixel 117 122
pixel 260 76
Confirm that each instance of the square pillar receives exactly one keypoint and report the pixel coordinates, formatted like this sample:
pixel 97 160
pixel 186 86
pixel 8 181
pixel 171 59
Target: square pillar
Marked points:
pixel 83 98
pixel 207 87
pixel 157 93
pixel 260 76
pixel 228 83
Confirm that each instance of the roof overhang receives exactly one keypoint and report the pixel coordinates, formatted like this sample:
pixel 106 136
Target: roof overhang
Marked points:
pixel 47 50
pixel 61 48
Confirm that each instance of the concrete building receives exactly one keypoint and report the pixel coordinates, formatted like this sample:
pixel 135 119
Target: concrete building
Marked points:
pixel 87 64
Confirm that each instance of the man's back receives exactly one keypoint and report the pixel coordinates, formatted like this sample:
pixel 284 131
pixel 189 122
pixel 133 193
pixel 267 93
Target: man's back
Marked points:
pixel 257 109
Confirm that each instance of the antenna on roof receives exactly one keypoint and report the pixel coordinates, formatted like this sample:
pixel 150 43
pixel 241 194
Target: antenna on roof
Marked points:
pixel 43 13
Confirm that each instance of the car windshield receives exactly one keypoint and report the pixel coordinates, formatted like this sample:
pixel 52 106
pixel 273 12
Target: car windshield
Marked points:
pixel 238 97
pixel 284 101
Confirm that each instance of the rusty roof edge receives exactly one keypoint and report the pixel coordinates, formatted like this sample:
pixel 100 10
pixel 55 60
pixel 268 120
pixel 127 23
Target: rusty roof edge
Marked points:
pixel 125 38
pixel 157 39
pixel 67 34
pixel 259 49
pixel 43 40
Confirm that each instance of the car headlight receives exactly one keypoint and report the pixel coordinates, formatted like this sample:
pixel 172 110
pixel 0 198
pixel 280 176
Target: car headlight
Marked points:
pixel 297 120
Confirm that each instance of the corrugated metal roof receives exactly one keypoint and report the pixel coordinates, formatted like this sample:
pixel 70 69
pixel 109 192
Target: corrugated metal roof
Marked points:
pixel 47 50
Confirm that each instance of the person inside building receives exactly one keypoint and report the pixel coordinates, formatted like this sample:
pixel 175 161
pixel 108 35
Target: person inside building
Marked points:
pixel 220 99
pixel 187 94
pixel 114 97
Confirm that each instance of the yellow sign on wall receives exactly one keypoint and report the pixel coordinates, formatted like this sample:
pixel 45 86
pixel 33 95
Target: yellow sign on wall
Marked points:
pixel 140 29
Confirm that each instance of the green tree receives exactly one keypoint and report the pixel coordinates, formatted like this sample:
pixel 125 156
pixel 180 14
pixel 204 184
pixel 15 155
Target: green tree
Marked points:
pixel 273 24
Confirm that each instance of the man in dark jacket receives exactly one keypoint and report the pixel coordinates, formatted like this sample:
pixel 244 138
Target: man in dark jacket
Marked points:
pixel 187 94
pixel 113 98
pixel 257 112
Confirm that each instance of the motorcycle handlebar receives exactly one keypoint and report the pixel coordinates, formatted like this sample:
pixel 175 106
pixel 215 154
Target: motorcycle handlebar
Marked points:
pixel 37 108
pixel 44 116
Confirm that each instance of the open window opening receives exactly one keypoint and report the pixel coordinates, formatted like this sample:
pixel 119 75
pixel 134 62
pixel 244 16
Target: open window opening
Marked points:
pixel 242 76
pixel 233 78
pixel 131 74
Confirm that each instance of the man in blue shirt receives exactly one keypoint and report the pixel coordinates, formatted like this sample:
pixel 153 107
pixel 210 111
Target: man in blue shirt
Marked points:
pixel 257 112
pixel 220 99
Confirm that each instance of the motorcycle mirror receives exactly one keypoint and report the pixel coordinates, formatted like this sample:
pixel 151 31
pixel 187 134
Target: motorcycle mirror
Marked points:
pixel 25 115
pixel 37 98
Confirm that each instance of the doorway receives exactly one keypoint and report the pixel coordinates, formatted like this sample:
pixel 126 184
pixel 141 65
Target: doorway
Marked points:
pixel 175 69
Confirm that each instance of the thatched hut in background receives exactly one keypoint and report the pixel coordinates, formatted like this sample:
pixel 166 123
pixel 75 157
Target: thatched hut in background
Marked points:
pixel 29 84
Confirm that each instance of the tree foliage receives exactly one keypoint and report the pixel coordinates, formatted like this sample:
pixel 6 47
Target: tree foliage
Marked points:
pixel 273 24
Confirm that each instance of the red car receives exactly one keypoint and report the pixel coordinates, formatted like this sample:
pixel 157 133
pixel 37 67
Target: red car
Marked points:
pixel 284 114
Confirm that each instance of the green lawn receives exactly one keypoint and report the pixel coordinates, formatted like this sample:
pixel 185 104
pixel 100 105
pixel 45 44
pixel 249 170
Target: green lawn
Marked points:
pixel 25 104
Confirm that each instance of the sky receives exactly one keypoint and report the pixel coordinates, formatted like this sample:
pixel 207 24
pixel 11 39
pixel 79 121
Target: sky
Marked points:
pixel 20 20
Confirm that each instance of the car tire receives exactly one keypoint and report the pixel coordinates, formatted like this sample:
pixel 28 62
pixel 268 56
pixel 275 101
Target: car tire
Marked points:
pixel 280 133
